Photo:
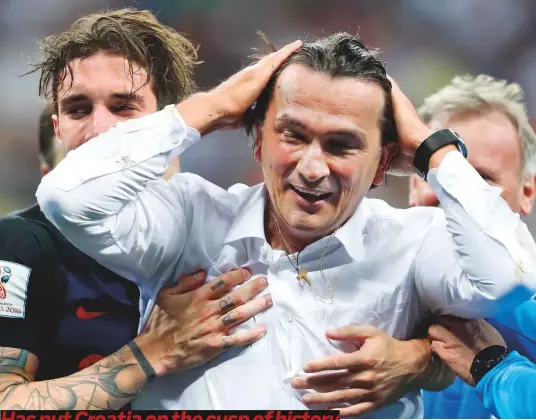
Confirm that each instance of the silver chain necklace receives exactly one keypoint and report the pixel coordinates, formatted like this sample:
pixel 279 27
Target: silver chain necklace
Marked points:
pixel 302 272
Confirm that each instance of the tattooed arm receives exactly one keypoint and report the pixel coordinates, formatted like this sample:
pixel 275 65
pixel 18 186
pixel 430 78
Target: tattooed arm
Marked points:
pixel 109 384
pixel 186 329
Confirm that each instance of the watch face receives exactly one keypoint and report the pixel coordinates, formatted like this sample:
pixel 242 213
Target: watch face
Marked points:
pixel 455 133
pixel 461 145
pixel 494 352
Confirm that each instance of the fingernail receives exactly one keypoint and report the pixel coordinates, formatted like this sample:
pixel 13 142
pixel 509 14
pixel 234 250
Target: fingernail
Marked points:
pixel 264 282
pixel 247 273
pixel 307 398
pixel 331 333
pixel 268 299
pixel 200 275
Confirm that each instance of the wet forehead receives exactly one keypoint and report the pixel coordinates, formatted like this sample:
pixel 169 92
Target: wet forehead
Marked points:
pixel 102 74
pixel 322 102
pixel 491 138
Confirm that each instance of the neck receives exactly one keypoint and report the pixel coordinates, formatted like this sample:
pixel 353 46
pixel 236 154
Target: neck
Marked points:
pixel 288 243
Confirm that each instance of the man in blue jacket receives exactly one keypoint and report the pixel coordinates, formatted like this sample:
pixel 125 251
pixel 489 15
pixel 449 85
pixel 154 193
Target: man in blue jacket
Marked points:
pixel 504 381
pixel 490 115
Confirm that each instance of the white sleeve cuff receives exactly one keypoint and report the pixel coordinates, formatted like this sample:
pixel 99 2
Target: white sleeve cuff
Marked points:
pixel 456 181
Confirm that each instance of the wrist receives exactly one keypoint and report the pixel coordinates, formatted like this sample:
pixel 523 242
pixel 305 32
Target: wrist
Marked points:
pixel 433 150
pixel 420 360
pixel 486 359
pixel 199 111
pixel 153 354
pixel 429 371
pixel 437 376
pixel 438 156
pixel 416 140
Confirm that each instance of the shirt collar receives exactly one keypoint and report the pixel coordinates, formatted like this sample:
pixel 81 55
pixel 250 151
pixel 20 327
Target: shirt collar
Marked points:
pixel 248 224
pixel 351 234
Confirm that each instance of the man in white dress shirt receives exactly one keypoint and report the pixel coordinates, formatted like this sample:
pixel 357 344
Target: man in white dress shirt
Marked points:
pixel 325 133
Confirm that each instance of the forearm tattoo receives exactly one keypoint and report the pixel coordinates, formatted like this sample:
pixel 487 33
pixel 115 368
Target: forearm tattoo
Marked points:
pixel 13 362
pixel 107 385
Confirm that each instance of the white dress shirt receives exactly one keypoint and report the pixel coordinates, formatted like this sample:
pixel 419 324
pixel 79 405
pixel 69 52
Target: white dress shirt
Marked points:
pixel 388 267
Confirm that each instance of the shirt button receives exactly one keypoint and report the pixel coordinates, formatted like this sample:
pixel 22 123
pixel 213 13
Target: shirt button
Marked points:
pixel 279 266
pixel 175 139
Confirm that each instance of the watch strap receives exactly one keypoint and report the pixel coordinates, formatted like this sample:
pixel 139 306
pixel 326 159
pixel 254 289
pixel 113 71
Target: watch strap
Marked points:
pixel 438 140
pixel 486 360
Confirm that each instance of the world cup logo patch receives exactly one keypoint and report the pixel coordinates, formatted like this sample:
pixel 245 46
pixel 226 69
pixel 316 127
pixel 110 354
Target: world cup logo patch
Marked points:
pixel 5 275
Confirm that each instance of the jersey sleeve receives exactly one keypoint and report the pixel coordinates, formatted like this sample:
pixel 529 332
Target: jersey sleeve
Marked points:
pixel 25 258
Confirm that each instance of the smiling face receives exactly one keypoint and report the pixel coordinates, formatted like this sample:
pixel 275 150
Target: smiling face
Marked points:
pixel 102 94
pixel 319 149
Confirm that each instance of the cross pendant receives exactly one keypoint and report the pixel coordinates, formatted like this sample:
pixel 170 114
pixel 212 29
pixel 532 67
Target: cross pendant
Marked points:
pixel 302 275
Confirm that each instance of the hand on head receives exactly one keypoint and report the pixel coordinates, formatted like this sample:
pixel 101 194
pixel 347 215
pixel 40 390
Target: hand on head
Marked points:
pixel 224 106
pixel 411 132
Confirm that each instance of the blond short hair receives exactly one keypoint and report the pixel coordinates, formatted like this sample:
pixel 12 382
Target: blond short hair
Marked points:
pixel 482 93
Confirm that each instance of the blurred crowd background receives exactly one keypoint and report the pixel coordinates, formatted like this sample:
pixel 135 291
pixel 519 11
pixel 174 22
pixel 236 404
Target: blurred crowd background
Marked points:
pixel 424 43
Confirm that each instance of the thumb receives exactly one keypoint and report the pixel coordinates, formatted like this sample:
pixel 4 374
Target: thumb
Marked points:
pixel 353 333
pixel 440 348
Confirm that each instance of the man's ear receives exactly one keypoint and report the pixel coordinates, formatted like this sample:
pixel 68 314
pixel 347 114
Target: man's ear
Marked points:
pixel 387 153
pixel 257 144
pixel 56 126
pixel 60 150
pixel 528 194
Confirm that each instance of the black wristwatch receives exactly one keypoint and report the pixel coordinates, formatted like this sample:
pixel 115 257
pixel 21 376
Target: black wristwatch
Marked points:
pixel 428 147
pixel 486 360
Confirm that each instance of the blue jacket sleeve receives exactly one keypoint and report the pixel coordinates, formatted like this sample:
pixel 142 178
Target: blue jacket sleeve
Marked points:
pixel 517 329
pixel 509 389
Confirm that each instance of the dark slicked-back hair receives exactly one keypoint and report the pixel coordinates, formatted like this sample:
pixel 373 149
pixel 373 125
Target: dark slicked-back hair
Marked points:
pixel 339 55
pixel 168 57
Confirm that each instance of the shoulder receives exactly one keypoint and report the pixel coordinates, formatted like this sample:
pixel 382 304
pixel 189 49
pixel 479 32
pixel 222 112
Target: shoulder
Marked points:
pixel 14 226
pixel 414 220
pixel 25 239
pixel 421 215
pixel 201 192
